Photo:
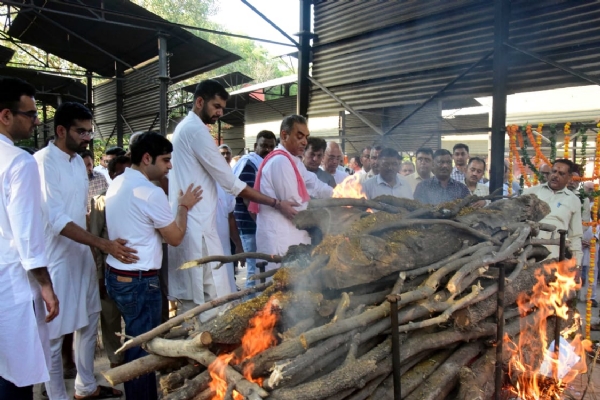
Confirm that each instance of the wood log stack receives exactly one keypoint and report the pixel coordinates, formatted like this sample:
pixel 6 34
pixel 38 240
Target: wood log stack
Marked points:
pixel 333 336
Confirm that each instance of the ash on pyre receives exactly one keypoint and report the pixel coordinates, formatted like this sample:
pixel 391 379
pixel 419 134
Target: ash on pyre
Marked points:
pixel 321 327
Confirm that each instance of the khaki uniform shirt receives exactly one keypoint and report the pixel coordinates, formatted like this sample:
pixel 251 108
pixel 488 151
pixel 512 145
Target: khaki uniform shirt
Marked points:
pixel 565 213
pixel 414 179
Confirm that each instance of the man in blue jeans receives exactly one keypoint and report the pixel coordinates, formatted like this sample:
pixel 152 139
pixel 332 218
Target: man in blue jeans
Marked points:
pixel 139 211
pixel 245 169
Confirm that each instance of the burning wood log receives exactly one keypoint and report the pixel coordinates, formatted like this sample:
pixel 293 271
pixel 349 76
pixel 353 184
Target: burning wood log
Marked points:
pixel 331 335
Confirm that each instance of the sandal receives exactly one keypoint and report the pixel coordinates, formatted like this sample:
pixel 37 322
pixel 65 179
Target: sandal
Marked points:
pixel 104 392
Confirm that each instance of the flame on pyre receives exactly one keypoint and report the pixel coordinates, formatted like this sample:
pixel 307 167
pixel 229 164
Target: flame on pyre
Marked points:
pixel 258 337
pixel 534 369
pixel 349 188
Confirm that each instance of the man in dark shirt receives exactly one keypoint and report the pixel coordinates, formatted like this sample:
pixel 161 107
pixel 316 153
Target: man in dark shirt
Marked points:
pixel 245 169
pixel 441 188
pixel 312 157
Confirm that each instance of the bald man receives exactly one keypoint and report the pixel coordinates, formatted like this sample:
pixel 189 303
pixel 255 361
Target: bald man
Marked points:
pixel 544 172
pixel 331 160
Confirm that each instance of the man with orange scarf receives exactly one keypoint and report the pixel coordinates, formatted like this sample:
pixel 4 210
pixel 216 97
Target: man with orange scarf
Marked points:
pixel 283 176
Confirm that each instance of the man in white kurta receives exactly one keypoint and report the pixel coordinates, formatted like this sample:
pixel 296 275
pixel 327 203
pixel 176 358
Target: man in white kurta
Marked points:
pixel 565 207
pixel 24 343
pixel 274 232
pixel 64 185
pixel 196 160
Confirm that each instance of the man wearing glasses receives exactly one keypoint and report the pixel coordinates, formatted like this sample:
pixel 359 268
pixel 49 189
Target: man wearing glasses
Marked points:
pixel 64 184
pixel 333 156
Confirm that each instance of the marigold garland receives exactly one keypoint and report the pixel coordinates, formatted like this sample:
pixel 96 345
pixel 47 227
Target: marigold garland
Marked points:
pixel 567 133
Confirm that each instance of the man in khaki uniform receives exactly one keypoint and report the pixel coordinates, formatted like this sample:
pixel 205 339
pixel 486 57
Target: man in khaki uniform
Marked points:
pixel 565 206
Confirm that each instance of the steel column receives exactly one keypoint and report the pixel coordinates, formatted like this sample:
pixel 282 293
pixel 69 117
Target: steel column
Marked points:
pixel 342 128
pixel 498 371
pixel 120 102
pixel 501 23
pixel 304 59
pixel 45 118
pixel 163 76
pixel 88 100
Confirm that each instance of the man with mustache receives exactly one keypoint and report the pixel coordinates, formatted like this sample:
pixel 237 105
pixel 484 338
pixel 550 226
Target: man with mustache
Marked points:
pixel 282 175
pixel 64 185
pixel 441 188
pixel 197 160
pixel 565 206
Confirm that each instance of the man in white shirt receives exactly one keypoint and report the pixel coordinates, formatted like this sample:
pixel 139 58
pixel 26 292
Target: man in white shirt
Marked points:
pixel 424 165
pixel 388 181
pixel 196 160
pixel 365 161
pixel 283 175
pixel 374 166
pixel 145 221
pixel 565 207
pixel 24 344
pixel 64 184
pixel 331 160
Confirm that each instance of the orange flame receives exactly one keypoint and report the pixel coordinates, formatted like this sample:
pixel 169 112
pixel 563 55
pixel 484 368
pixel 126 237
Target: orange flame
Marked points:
pixel 257 338
pixel 527 358
pixel 349 188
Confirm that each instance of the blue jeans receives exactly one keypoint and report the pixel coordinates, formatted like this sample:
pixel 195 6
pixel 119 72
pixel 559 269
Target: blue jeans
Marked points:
pixel 139 300
pixel 249 245
pixel 9 390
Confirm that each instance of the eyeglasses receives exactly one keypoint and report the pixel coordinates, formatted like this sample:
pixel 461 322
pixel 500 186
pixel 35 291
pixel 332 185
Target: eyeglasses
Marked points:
pixel 82 133
pixel 33 115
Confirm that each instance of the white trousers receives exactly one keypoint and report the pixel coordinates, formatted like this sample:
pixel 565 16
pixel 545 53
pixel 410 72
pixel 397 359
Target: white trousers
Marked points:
pixel 85 348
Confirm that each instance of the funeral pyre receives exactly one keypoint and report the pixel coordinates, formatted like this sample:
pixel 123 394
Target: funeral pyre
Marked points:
pixel 320 326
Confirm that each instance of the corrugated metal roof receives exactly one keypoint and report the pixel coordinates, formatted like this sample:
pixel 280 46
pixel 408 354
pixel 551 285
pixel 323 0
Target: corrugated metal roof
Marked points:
pixel 141 103
pixel 386 58
pixel 132 36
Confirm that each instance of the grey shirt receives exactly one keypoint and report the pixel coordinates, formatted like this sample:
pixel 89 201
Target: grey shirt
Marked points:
pixel 325 176
pixel 376 186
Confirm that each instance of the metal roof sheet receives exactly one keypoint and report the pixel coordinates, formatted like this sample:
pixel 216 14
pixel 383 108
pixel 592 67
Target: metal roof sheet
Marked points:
pixel 386 58
pixel 51 89
pixel 58 27
pixel 227 80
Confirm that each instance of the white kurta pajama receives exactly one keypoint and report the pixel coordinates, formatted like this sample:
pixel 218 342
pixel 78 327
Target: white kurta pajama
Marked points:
pixel 225 206
pixel 24 343
pixel 71 265
pixel 274 232
pixel 196 160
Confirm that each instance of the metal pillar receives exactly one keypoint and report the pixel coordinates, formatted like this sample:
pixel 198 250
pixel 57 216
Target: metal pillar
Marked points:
pixel 498 370
pixel 45 119
pixel 304 58
pixel 163 76
pixel 88 99
pixel 342 125
pixel 119 95
pixel 501 24
pixel 219 132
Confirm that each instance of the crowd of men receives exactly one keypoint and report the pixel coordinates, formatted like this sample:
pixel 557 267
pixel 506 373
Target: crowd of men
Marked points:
pixel 92 244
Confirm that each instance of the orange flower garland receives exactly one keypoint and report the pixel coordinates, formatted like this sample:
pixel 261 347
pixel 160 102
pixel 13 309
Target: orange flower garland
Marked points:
pixel 519 161
pixel 512 142
pixel 567 132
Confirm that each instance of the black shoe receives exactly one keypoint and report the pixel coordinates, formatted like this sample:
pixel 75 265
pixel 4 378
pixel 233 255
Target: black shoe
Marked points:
pixel 594 304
